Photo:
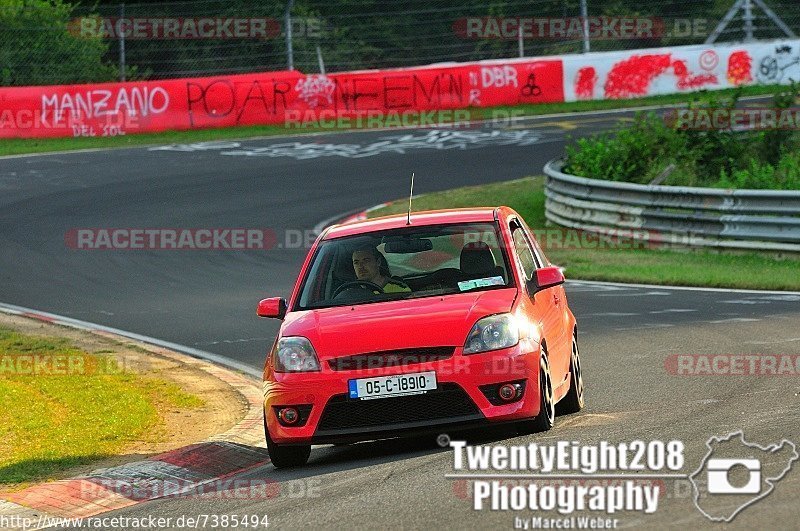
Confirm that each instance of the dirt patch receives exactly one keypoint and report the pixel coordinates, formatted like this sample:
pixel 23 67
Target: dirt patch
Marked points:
pixel 222 408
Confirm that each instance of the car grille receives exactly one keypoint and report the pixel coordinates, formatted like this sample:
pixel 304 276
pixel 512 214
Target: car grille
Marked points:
pixel 447 402
pixel 391 358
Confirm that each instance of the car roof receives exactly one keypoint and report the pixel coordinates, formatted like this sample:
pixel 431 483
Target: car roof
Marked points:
pixel 418 219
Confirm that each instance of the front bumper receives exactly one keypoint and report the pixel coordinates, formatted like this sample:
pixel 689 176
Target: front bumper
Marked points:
pixel 457 403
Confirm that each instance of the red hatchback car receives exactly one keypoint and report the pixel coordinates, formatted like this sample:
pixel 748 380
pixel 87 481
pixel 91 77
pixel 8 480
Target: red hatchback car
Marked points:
pixel 454 320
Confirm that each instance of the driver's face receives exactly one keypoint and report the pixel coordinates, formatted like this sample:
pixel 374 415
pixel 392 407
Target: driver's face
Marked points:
pixel 366 266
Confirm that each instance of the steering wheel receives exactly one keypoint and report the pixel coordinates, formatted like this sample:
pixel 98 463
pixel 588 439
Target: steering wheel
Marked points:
pixel 352 283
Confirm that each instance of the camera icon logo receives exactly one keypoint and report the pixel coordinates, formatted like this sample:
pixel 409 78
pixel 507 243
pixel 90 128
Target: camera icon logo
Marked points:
pixel 719 480
pixel 735 474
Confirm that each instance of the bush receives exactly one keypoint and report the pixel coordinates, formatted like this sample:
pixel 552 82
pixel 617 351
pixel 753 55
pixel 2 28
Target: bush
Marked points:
pixel 626 154
pixel 763 175
pixel 650 149
pixel 36 47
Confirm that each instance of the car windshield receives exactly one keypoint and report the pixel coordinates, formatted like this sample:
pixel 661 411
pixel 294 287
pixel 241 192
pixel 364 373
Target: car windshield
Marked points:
pixel 410 262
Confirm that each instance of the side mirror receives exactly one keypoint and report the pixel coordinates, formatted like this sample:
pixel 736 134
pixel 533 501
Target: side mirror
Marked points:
pixel 547 277
pixel 274 307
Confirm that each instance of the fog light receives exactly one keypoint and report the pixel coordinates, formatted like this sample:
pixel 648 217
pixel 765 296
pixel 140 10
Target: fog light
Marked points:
pixel 289 415
pixel 501 394
pixel 507 392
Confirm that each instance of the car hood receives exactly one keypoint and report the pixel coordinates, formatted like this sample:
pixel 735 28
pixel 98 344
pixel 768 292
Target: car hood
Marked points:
pixel 413 323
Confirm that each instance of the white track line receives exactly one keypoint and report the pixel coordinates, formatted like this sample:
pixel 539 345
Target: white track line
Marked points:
pixel 84 325
pixel 681 288
pixel 379 129
pixel 250 371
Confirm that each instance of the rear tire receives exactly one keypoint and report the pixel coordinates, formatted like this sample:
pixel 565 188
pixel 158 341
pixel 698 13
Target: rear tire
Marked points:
pixel 283 456
pixel 546 417
pixel 573 401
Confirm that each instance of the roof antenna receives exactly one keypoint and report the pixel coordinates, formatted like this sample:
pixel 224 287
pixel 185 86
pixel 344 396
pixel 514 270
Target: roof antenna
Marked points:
pixel 409 199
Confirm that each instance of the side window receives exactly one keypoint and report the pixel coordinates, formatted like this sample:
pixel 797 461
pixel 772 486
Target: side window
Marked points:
pixel 524 252
pixel 541 259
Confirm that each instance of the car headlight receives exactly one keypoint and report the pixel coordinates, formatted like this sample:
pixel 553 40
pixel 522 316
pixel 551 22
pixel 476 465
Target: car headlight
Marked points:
pixel 295 354
pixel 492 333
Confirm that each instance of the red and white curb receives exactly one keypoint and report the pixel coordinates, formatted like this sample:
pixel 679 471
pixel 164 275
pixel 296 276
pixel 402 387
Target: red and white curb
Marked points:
pixel 198 470
pixel 361 216
pixel 348 217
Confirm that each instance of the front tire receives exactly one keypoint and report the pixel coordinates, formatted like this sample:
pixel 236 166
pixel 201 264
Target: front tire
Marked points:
pixel 283 456
pixel 573 401
pixel 547 413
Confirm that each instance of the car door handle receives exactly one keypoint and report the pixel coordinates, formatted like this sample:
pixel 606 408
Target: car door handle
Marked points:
pixel 556 299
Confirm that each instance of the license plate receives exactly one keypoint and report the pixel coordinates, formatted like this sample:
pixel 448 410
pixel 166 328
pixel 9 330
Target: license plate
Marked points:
pixel 396 385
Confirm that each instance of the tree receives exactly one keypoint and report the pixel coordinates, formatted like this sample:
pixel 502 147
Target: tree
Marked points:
pixel 38 46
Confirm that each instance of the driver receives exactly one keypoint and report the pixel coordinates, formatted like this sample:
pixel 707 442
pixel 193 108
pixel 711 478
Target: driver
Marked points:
pixel 367 262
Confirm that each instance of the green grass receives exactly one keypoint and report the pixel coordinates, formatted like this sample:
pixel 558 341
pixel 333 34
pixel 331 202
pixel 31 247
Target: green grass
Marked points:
pixel 668 99
pixel 621 263
pixel 18 146
pixel 52 422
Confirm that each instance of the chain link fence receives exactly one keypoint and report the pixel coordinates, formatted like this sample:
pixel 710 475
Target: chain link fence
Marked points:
pixel 54 42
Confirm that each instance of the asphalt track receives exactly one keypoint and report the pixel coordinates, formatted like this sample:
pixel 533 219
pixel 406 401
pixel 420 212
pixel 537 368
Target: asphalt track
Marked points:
pixel 206 300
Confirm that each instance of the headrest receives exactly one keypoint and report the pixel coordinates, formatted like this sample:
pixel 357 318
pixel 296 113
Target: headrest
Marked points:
pixel 477 259
pixel 343 270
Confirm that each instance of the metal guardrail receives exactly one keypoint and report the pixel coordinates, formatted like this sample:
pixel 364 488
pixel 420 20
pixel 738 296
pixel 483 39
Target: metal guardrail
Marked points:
pixel 675 215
